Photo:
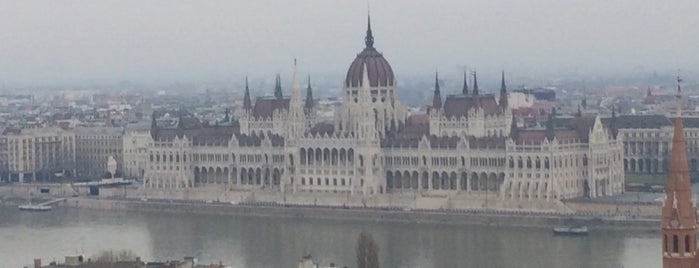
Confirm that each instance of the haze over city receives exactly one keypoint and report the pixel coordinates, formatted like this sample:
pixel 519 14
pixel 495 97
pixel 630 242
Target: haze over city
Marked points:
pixel 349 133
pixel 72 43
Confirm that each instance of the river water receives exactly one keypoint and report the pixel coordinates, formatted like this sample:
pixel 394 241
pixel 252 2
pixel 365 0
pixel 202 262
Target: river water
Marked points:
pixel 250 242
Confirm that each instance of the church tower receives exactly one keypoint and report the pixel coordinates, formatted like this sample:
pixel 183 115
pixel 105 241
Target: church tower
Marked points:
pixel 296 126
pixel 437 97
pixel 679 218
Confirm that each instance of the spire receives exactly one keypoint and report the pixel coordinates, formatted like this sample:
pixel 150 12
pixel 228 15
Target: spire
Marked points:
pixel 309 96
pixel 227 118
pixel 475 84
pixel 180 118
pixel 579 112
pixel 550 133
pixel 648 93
pixel 514 130
pixel 503 92
pixel 369 39
pixel 278 88
pixel 678 212
pixel 153 126
pixel 247 104
pixel 464 90
pixel 612 123
pixel 295 87
pixel 437 97
pixel 297 120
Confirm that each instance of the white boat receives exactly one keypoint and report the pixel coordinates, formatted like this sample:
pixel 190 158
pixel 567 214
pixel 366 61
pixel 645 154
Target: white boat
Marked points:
pixel 570 230
pixel 31 207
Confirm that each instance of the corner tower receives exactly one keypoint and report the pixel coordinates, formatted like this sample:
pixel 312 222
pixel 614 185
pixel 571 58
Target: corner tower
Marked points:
pixel 679 217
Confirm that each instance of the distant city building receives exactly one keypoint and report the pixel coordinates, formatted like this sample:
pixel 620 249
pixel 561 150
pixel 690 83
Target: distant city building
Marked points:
pixel 39 153
pixel 94 145
pixel 307 262
pixel 539 93
pixel 648 140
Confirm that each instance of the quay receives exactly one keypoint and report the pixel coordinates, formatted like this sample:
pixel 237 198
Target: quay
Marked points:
pixel 486 217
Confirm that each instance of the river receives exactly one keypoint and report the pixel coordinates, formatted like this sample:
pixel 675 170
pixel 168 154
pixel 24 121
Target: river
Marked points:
pixel 253 242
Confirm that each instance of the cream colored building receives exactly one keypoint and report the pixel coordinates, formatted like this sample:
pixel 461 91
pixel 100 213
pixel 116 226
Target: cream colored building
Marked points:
pixel 135 149
pixel 39 153
pixel 467 145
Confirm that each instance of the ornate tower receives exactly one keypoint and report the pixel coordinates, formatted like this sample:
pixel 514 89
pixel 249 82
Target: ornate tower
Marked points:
pixel 503 93
pixel 475 84
pixel 278 88
pixel 295 129
pixel 437 98
pixel 381 85
pixel 247 103
pixel 679 217
pixel 464 90
pixel 297 119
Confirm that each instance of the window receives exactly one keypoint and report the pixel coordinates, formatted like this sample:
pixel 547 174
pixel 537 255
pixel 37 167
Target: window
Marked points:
pixel 675 244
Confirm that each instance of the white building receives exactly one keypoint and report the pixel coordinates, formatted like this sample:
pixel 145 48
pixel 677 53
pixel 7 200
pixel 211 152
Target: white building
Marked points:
pixel 466 145
pixel 135 150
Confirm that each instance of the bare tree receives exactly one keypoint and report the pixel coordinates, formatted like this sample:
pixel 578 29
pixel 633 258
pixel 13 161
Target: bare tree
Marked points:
pixel 111 256
pixel 367 251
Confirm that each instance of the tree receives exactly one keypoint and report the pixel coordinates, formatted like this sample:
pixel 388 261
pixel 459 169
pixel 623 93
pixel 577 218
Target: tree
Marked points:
pixel 111 256
pixel 367 251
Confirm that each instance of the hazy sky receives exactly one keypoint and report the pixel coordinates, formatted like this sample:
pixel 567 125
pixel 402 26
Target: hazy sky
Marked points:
pixel 44 42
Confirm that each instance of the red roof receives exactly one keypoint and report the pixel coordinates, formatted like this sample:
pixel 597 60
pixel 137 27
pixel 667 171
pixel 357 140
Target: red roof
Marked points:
pixel 265 107
pixel 459 105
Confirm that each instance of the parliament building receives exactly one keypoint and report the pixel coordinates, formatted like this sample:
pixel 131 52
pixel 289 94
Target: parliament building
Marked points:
pixel 466 144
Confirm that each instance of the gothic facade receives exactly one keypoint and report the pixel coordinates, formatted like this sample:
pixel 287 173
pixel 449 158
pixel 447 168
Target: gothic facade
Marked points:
pixel 466 144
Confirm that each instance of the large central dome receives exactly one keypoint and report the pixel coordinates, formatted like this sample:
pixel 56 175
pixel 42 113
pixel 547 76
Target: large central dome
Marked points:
pixel 378 69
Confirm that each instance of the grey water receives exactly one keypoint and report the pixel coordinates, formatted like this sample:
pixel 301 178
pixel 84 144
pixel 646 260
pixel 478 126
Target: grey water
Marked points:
pixel 253 242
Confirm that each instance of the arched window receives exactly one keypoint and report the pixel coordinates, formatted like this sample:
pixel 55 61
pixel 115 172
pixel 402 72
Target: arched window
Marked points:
pixel 529 162
pixel 675 244
pixel 686 244
pixel 519 162
pixel 665 242
pixel 512 163
pixel 537 163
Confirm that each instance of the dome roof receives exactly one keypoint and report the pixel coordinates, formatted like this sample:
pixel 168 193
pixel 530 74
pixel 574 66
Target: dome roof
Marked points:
pixel 378 69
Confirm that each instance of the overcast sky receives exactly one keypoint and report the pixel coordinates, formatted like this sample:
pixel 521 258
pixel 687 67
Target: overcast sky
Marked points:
pixel 44 42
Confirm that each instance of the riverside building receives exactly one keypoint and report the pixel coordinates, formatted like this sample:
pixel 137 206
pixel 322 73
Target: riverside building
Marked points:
pixel 466 145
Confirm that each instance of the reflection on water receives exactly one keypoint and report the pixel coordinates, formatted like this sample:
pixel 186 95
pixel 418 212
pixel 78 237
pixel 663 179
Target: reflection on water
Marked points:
pixel 247 242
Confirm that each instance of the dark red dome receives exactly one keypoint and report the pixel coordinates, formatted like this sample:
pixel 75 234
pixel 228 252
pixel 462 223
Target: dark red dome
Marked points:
pixel 378 69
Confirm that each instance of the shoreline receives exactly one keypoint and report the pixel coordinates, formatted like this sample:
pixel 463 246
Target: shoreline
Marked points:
pixel 452 218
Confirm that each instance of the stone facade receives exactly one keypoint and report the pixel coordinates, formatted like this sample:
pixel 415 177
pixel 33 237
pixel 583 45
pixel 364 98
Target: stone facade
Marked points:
pixel 135 150
pixel 648 142
pixel 94 145
pixel 38 153
pixel 468 146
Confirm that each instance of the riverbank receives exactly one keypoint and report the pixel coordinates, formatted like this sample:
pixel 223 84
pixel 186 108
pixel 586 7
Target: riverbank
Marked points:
pixel 446 217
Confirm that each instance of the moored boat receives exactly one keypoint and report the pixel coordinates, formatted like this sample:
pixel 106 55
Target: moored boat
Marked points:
pixel 34 207
pixel 570 230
